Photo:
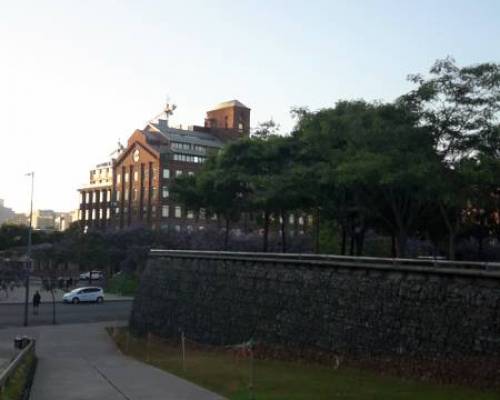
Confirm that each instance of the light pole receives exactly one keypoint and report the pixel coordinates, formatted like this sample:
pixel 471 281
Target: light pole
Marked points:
pixel 28 261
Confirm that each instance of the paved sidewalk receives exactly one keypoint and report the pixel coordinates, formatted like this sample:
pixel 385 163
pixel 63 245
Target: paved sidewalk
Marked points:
pixel 80 362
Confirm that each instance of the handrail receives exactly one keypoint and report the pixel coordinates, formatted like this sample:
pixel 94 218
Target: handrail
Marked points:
pixel 11 368
pixel 325 259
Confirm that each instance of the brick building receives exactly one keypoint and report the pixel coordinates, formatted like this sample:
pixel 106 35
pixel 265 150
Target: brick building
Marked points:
pixel 157 154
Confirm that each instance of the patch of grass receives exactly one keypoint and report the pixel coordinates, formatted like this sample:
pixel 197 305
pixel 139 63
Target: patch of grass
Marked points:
pixel 17 383
pixel 220 371
pixel 123 284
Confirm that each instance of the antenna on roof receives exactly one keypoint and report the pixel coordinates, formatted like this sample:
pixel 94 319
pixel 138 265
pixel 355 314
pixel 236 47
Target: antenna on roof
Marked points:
pixel 169 108
pixel 118 150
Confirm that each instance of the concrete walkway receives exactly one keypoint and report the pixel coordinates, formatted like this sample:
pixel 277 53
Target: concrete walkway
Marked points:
pixel 80 362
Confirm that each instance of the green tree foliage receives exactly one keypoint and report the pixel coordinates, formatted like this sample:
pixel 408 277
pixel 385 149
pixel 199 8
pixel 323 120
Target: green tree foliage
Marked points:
pixel 423 166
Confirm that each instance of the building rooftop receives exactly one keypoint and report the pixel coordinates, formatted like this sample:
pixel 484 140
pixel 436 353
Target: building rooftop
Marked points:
pixel 183 135
pixel 227 104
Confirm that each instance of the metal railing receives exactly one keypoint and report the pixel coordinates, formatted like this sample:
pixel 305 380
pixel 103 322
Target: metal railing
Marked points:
pixel 403 264
pixel 11 368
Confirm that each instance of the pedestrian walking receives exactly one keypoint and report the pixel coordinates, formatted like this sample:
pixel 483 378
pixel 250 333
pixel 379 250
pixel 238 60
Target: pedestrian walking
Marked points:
pixel 36 302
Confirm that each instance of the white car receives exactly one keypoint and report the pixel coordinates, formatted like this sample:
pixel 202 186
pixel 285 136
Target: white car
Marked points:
pixel 97 275
pixel 94 294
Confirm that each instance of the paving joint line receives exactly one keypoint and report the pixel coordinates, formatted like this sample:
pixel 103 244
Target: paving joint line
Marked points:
pixel 110 382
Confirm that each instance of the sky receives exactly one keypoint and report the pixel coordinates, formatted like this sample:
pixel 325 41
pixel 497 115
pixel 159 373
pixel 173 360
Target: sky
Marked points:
pixel 77 76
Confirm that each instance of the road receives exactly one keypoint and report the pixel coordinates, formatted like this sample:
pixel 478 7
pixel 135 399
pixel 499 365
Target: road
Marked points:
pixel 11 315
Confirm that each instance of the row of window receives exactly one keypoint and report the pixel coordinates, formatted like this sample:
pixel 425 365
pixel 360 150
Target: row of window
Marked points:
pixel 189 158
pixel 188 146
pixel 105 196
pixel 177 212
pixel 166 174
pixel 91 216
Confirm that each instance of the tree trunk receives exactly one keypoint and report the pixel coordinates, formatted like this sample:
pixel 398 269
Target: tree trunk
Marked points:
pixel 265 239
pixel 226 235
pixel 393 246
pixel 351 246
pixel 451 245
pixel 283 231
pixel 344 239
pixel 360 241
pixel 316 246
pixel 53 307
pixel 402 241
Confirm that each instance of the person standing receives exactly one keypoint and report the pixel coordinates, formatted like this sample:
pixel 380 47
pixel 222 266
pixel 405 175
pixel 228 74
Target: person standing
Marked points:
pixel 36 302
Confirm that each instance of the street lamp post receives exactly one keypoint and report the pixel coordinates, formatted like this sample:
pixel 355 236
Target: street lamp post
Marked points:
pixel 28 261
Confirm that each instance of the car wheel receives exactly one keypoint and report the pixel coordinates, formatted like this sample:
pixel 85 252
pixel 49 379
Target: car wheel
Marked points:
pixel 76 300
pixel 99 300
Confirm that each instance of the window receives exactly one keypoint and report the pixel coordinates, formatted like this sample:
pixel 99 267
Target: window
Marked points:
pixel 291 219
pixel 301 220
pixel 189 158
pixel 125 196
pixel 164 192
pixel 178 172
pixel 136 176
pixel 189 228
pixel 93 214
pixel 164 211
pixel 117 210
pixel 126 176
pixel 101 213
pixel 190 173
pixel 164 227
pixel 166 173
pixel 178 212
pixel 94 197
pixel 134 195
pixel 202 214
pixel 177 228
pixel 153 193
pixel 108 195
pixel 118 178
pixel 214 217
pixel 190 214
pixel 118 194
pixel 108 213
pixel 87 215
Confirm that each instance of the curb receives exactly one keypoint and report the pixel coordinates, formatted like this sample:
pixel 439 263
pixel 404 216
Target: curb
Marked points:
pixel 61 302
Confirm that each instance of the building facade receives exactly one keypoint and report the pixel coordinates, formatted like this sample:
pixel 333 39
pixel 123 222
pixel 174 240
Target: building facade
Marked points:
pixel 95 197
pixel 6 214
pixel 156 155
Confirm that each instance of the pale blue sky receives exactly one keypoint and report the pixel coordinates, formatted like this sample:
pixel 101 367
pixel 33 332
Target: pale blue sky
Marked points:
pixel 76 76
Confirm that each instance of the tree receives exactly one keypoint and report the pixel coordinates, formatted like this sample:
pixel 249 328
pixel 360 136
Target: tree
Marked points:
pixel 460 106
pixel 372 163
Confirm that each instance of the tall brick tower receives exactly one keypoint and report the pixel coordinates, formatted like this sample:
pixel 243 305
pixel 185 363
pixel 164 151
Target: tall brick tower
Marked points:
pixel 231 119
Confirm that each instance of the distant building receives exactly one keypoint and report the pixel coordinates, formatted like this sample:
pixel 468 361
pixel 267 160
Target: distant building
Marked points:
pixel 18 219
pixel 95 197
pixel 62 221
pixel 5 213
pixel 44 220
